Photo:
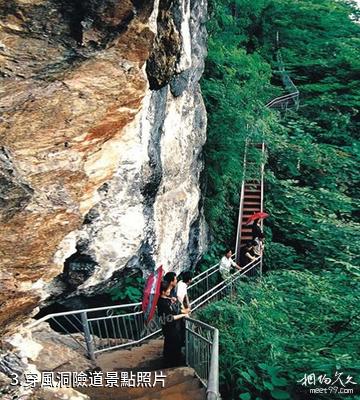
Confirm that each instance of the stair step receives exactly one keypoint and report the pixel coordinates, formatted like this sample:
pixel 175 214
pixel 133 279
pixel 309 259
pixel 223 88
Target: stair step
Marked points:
pixel 181 391
pixel 174 376
pixel 183 376
pixel 247 237
pixel 252 196
pixel 147 357
pixel 250 210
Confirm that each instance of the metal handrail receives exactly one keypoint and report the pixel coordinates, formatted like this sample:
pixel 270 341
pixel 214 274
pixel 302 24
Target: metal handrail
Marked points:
pixel 107 308
pixel 205 361
pixel 241 208
pixel 61 314
pixel 212 391
pixel 262 192
pixel 220 287
pixel 207 273
pixel 100 331
pixel 133 331
pixel 204 272
pixel 282 99
pixel 105 332
pixel 242 195
pixel 287 81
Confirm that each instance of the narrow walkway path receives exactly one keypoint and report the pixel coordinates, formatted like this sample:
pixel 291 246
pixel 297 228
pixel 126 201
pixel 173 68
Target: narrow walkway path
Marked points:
pixel 180 383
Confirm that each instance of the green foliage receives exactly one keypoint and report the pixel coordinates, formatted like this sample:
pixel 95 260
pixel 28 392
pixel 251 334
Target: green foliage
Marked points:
pixel 312 179
pixel 129 290
pixel 289 324
pixel 301 320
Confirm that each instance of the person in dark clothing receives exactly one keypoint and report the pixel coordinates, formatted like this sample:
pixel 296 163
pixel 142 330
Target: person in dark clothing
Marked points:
pixel 256 230
pixel 247 254
pixel 171 278
pixel 171 326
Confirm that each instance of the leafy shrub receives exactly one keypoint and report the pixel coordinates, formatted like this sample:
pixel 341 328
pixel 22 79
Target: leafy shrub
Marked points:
pixel 290 323
pixel 129 290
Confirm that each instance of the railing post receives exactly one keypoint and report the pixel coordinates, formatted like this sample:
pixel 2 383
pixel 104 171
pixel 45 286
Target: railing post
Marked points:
pixel 212 392
pixel 87 335
pixel 186 342
pixel 262 195
pixel 207 281
pixel 238 234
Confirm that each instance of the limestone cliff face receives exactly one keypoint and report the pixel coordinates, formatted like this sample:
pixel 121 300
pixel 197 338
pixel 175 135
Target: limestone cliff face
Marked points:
pixel 102 128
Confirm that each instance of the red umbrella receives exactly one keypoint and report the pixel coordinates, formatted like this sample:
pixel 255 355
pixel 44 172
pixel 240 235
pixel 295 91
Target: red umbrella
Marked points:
pixel 152 293
pixel 258 215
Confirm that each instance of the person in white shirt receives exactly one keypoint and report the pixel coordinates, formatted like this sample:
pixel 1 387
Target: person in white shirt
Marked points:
pixel 226 263
pixel 182 296
pixel 181 289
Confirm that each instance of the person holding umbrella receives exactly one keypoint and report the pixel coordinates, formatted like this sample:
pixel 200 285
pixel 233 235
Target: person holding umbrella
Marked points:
pixel 256 230
pixel 171 326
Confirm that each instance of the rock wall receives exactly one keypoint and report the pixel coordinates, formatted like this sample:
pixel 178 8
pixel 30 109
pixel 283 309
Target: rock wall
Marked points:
pixel 102 128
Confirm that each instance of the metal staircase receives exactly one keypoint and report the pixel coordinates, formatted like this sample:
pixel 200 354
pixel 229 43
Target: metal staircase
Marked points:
pixel 291 99
pixel 97 330
pixel 251 194
pixel 113 328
